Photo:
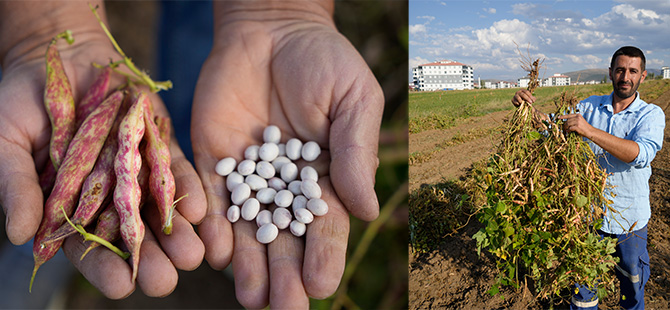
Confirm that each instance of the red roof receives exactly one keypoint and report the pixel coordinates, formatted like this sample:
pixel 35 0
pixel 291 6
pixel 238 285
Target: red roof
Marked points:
pixel 444 63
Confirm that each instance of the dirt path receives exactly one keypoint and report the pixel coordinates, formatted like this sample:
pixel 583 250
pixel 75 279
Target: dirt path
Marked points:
pixel 455 277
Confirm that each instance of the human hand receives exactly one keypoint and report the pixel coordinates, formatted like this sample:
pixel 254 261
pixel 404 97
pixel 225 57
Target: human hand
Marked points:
pixel 576 123
pixel 306 78
pixel 523 95
pixel 24 140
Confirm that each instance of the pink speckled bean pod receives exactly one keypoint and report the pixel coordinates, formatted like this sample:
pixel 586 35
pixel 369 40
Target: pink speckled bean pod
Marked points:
pixel 77 164
pixel 94 96
pixel 107 228
pixel 127 194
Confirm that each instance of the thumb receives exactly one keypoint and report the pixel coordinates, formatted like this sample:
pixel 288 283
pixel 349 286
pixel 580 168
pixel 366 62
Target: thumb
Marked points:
pixel 20 194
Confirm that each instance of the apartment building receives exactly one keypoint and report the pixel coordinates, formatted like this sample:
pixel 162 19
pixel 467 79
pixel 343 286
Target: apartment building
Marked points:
pixel 556 80
pixel 666 72
pixel 443 75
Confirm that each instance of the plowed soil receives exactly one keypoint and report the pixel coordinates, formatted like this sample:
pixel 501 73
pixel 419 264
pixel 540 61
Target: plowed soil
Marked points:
pixel 455 277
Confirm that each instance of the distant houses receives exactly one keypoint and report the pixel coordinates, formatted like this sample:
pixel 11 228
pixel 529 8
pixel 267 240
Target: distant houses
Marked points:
pixel 666 72
pixel 443 75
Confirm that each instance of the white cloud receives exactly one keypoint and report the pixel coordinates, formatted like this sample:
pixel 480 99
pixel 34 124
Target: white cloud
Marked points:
pixel 416 29
pixel 416 61
pixel 489 10
pixel 427 17
pixel 588 61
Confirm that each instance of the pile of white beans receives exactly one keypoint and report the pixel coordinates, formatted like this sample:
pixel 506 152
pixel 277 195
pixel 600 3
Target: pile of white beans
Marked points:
pixel 268 175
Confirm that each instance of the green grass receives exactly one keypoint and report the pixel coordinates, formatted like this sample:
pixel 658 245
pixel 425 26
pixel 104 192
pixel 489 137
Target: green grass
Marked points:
pixel 445 109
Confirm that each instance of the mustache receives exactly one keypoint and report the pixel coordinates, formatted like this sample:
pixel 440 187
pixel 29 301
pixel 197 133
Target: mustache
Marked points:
pixel 625 83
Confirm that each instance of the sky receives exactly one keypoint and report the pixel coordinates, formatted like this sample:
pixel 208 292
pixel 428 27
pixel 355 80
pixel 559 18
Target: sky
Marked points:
pixel 492 36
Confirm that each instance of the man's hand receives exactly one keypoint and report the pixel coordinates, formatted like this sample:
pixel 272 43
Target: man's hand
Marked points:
pixel 521 96
pixel 24 142
pixel 576 123
pixel 271 67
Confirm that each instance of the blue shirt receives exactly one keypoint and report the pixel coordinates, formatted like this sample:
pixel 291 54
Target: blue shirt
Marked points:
pixel 640 122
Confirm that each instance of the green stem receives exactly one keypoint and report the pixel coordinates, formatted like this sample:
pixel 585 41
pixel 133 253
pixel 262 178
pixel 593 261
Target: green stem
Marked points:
pixel 92 237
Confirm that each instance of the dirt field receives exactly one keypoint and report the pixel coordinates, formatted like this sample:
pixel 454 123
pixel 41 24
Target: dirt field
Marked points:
pixel 455 277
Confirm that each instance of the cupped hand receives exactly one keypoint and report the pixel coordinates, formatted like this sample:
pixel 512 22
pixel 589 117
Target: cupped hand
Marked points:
pixel 24 142
pixel 307 79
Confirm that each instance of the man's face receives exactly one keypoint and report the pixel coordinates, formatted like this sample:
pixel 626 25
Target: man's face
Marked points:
pixel 626 75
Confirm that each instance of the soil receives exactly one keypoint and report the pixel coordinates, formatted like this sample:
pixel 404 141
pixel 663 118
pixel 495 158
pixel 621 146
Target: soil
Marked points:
pixel 456 277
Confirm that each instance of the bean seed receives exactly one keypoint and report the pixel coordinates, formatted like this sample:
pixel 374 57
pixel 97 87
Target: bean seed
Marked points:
pixel 240 193
pixel 277 183
pixel 281 217
pixel 246 167
pixel 225 166
pixel 297 228
pixel 282 149
pixel 303 215
pixel 233 213
pixel 266 195
pixel 310 189
pixel 233 180
pixel 263 217
pixel 250 209
pixel 265 169
pixel 271 134
pixel 309 173
pixel 267 233
pixel 279 162
pixel 289 172
pixel 310 151
pixel 299 202
pixel 251 152
pixel 255 182
pixel 293 148
pixel 283 198
pixel 268 151
pixel 294 187
pixel 318 206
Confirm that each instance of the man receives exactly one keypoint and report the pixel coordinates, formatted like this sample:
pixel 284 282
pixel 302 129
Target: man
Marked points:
pixel 625 132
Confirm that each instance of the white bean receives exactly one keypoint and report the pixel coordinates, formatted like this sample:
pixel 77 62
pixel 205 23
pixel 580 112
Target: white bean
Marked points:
pixel 299 202
pixel 280 161
pixel 240 194
pixel 271 134
pixel 281 217
pixel 233 213
pixel 255 182
pixel 246 167
pixel 268 151
pixel 283 198
pixel 251 152
pixel 294 187
pixel 282 149
pixel 297 229
pixel 225 166
pixel 266 195
pixel 310 189
pixel 263 217
pixel 303 215
pixel 318 206
pixel 234 179
pixel 309 173
pixel 265 169
pixel 310 151
pixel 289 172
pixel 293 148
pixel 267 233
pixel 277 183
pixel 250 209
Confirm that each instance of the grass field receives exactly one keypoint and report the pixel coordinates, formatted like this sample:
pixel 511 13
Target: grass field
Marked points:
pixel 444 109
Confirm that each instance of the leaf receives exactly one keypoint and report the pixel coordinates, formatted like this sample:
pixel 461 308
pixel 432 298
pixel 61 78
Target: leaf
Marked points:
pixel 581 200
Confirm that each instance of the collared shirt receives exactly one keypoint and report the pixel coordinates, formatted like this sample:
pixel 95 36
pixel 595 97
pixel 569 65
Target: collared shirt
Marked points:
pixel 640 122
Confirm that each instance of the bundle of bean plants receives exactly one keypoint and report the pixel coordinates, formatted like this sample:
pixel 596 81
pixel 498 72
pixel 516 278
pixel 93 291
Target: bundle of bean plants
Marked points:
pixel 108 155
pixel 543 196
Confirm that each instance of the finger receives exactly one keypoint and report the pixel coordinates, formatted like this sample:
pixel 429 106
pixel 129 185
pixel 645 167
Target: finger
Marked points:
pixel 20 194
pixel 104 269
pixel 354 140
pixel 250 268
pixel 156 275
pixel 183 246
pixel 285 257
pixel 326 247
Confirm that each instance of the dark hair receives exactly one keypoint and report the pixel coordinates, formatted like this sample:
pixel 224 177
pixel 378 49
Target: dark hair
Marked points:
pixel 630 51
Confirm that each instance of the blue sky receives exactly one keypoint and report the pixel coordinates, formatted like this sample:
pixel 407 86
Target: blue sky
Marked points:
pixel 569 35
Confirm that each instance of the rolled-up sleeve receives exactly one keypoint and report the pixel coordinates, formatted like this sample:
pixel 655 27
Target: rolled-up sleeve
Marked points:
pixel 649 135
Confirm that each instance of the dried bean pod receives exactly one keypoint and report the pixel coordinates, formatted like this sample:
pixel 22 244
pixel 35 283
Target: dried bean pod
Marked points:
pixel 164 128
pixel 127 194
pixel 161 180
pixel 77 164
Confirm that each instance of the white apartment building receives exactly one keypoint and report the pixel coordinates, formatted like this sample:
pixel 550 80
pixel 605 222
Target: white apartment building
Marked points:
pixel 666 72
pixel 556 80
pixel 443 75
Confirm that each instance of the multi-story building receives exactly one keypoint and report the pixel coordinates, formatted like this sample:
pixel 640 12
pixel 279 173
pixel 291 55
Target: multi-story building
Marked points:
pixel 666 72
pixel 556 80
pixel 443 75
